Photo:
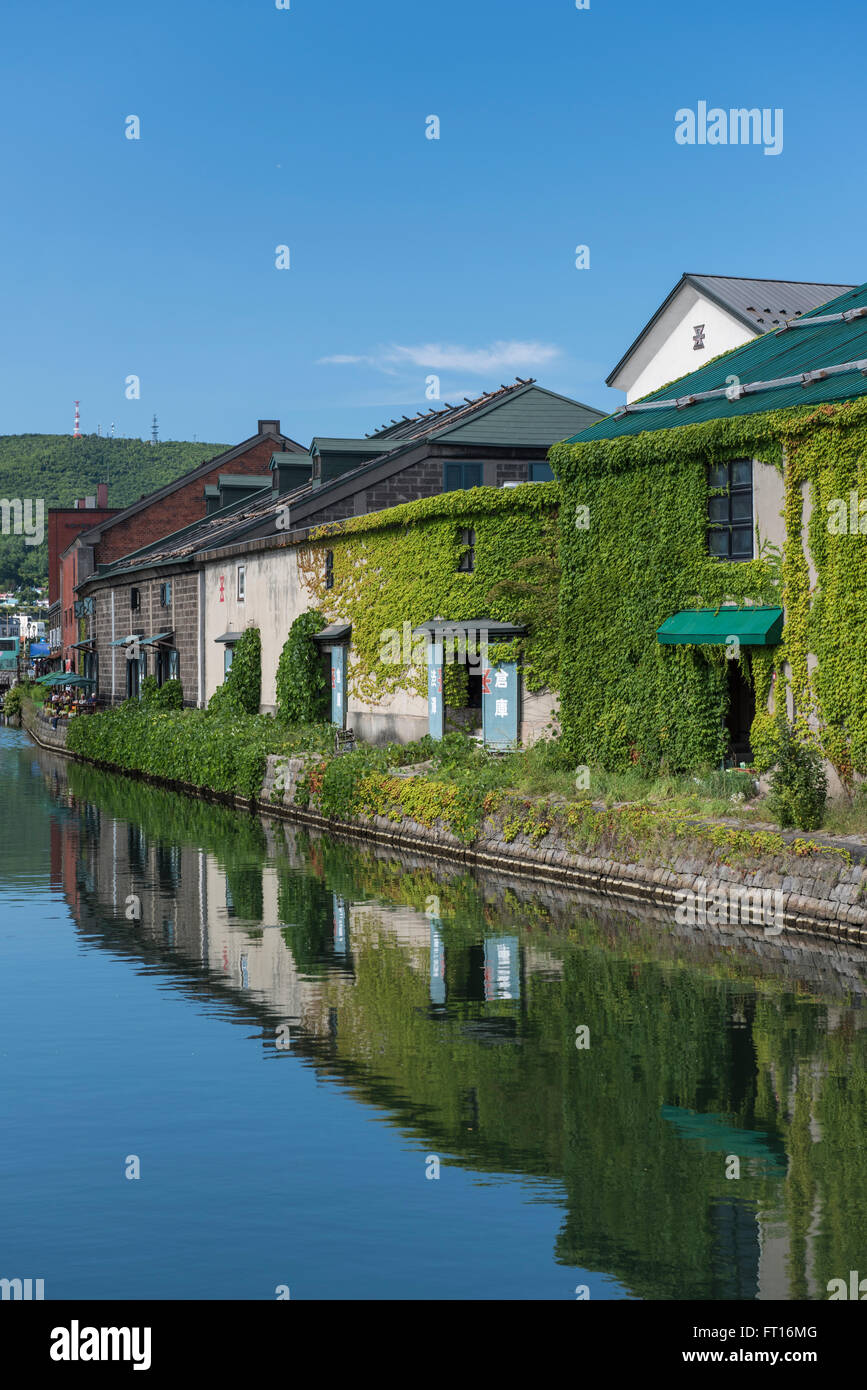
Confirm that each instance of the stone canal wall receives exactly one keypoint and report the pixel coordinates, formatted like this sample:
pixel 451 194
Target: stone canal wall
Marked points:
pixel 46 730
pixel 822 895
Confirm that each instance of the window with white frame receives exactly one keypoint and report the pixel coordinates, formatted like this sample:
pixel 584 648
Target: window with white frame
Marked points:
pixel 242 583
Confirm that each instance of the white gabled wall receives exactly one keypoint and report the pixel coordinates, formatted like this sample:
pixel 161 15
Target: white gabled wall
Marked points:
pixel 668 353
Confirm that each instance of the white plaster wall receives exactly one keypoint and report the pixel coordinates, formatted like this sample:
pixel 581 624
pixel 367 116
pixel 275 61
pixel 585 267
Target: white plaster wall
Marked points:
pixel 540 715
pixel 274 599
pixel 768 501
pixel 667 351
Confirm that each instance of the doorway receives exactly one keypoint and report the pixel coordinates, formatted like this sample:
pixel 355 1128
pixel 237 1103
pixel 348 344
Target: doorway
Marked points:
pixel 740 715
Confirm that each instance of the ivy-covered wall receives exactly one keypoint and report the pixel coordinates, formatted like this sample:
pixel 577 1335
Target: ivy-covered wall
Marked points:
pixel 637 555
pixel 643 556
pixel 401 566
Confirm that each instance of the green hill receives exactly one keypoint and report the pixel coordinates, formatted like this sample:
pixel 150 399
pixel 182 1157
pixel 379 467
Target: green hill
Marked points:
pixel 59 469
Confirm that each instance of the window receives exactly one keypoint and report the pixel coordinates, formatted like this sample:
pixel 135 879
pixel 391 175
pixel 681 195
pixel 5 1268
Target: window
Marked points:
pixel 166 595
pixel 174 664
pixel 227 658
pixel 134 599
pixel 329 569
pixel 459 476
pixel 467 562
pixel 242 583
pixel 541 473
pixel 730 510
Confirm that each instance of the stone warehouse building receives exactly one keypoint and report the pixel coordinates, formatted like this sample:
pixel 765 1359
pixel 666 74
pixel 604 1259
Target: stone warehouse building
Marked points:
pixel 178 606
pixel 715 557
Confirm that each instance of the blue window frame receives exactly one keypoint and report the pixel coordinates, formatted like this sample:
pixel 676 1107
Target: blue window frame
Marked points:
pixel 541 473
pixel 457 477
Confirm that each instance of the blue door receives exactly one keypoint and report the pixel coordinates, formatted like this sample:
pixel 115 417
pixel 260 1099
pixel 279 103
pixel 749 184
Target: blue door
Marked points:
pixel 501 712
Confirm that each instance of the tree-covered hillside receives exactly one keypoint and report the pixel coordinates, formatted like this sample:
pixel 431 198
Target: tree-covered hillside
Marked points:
pixel 58 469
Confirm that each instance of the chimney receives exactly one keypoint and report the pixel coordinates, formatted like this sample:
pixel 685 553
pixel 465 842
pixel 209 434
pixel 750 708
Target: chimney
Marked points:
pixel 102 495
pixel 269 427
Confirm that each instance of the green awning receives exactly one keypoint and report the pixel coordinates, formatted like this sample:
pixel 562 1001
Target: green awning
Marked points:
pixel 122 641
pixel 160 637
pixel 753 627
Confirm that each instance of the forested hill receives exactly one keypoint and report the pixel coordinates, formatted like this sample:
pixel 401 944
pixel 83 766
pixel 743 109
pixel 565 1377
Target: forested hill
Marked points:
pixel 59 469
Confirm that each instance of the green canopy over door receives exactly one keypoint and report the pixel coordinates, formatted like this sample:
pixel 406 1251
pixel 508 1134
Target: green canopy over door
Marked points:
pixel 753 627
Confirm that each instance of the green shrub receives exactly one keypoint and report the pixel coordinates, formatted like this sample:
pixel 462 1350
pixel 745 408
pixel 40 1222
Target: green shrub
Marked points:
pixel 225 752
pixel 169 696
pixel 302 695
pixel 798 785
pixel 148 690
pixel 241 691
pixel 13 701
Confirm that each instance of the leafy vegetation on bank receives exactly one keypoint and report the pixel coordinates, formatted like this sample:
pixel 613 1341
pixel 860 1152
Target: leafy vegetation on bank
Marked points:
pixel 453 782
pixel 219 751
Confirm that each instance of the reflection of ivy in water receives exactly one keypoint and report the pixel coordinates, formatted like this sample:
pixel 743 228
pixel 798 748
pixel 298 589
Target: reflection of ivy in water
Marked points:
pixel 305 905
pixel 237 841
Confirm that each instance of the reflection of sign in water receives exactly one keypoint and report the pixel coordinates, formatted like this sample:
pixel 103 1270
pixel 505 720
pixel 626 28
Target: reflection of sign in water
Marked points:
pixel 437 963
pixel 502 973
pixel 341 925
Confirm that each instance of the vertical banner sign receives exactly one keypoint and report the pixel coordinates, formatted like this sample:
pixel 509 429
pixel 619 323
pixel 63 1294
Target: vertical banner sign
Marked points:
pixel 500 705
pixel 502 968
pixel 435 708
pixel 437 962
pixel 338 683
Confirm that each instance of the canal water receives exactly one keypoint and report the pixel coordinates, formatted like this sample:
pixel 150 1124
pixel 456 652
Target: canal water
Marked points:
pixel 350 1075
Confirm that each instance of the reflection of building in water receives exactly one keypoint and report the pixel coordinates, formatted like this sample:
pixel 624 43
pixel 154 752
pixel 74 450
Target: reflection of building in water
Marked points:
pixel 427 1022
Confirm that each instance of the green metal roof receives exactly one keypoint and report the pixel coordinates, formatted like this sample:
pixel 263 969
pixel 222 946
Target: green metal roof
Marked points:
pixel 698 627
pixel 774 354
pixel 352 446
pixel 245 479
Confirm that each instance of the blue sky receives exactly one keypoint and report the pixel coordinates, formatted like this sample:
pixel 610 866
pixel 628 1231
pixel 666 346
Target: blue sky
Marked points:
pixel 306 127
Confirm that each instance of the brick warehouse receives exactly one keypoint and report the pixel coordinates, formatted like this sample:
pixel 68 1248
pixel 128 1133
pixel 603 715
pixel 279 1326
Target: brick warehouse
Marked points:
pixel 161 606
pixel 153 516
pixel 497 441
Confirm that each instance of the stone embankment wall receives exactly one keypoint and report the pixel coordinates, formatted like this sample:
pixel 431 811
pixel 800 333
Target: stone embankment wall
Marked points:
pixel 41 728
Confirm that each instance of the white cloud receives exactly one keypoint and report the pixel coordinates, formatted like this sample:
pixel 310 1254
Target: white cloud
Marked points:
pixel 511 354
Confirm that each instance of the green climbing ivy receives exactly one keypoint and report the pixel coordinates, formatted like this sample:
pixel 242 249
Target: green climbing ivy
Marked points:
pixel 302 695
pixel 394 570
pixel 241 691
pixel 644 556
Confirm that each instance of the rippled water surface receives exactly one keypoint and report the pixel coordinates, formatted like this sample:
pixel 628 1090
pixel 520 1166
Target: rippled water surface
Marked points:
pixel 291 1036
